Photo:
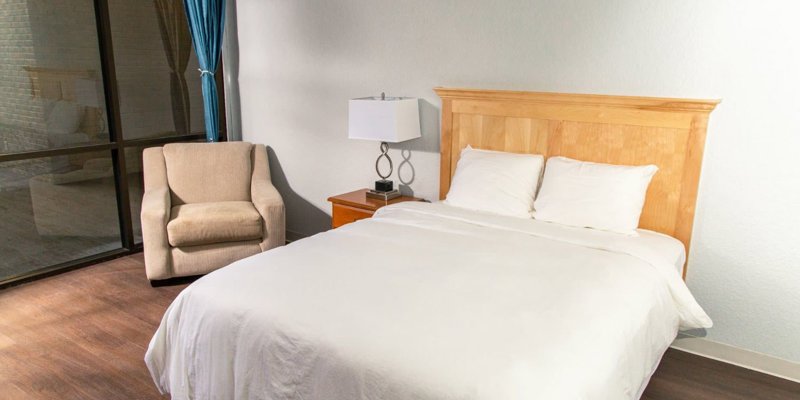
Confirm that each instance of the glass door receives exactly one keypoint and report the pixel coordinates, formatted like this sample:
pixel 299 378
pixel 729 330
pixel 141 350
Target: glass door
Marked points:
pixel 84 87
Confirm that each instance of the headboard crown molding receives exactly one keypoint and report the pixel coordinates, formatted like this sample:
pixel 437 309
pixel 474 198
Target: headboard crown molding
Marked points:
pixel 625 130
pixel 635 102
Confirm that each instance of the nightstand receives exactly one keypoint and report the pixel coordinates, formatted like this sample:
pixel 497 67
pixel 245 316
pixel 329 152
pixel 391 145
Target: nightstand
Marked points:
pixel 353 206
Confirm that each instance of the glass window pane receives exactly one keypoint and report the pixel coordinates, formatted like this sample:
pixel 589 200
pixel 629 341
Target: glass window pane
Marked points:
pixel 157 70
pixel 133 159
pixel 51 94
pixel 56 209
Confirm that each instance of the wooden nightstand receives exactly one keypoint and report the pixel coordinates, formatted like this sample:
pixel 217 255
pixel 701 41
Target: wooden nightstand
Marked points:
pixel 353 206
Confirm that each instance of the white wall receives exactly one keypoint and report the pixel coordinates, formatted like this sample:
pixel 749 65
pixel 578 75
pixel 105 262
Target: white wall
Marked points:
pixel 301 60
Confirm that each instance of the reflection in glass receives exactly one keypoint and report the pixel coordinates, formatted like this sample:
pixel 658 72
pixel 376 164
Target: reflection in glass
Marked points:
pixel 51 91
pixel 174 28
pixel 157 71
pixel 133 159
pixel 56 209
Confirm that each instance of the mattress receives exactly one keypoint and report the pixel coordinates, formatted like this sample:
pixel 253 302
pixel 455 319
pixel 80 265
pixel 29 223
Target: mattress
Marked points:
pixel 426 301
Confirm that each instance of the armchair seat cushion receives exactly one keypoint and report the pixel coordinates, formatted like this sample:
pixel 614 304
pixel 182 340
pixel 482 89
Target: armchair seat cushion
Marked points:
pixel 207 223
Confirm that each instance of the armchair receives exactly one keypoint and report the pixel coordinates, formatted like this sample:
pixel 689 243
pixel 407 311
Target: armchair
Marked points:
pixel 206 205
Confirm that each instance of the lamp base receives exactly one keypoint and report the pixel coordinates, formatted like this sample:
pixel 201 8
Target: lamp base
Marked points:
pixel 384 185
pixel 385 196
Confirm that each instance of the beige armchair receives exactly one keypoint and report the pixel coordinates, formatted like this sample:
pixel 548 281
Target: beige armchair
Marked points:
pixel 206 205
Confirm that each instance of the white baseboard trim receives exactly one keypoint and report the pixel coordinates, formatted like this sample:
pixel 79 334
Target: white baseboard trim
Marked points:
pixel 740 357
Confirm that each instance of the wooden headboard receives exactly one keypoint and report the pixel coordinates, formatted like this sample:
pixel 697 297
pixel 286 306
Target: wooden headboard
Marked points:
pixel 61 84
pixel 56 83
pixel 669 133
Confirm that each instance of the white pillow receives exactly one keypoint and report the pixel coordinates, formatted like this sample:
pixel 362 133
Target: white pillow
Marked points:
pixel 496 182
pixel 601 196
pixel 64 117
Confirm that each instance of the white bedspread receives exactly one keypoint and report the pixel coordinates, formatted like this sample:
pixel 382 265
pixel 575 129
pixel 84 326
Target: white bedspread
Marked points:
pixel 425 301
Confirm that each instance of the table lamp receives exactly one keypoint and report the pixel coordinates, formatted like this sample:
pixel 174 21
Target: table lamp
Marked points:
pixel 387 120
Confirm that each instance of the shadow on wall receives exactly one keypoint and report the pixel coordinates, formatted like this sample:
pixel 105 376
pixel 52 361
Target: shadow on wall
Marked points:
pixel 309 216
pixel 428 143
pixel 406 173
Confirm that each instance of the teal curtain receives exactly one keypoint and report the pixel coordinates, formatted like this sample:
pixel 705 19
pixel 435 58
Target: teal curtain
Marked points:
pixel 206 21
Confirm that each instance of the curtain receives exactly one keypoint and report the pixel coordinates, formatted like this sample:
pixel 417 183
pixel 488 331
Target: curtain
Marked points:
pixel 177 47
pixel 206 21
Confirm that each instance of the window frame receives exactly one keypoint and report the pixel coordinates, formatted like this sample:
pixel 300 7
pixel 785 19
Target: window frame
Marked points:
pixel 117 146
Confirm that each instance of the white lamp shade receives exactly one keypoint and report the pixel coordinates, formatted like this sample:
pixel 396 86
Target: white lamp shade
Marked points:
pixel 395 119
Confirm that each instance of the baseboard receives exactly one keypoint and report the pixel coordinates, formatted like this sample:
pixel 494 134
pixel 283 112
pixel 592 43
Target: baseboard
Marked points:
pixel 740 357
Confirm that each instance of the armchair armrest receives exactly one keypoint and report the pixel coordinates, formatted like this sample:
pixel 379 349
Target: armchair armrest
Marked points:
pixel 269 203
pixel 156 208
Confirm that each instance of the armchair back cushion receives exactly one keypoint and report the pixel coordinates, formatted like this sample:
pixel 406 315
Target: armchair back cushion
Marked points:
pixel 198 173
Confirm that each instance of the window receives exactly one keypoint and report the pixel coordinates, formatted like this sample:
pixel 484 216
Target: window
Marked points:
pixel 87 85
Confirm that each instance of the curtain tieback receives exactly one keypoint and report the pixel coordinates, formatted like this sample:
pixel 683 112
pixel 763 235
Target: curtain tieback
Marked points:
pixel 205 71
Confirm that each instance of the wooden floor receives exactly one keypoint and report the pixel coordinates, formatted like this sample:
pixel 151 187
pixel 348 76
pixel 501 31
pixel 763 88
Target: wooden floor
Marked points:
pixel 83 334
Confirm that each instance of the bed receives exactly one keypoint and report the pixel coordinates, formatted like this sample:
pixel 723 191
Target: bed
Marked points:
pixel 470 305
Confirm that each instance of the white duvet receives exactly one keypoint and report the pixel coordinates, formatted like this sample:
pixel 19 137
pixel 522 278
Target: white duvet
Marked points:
pixel 425 301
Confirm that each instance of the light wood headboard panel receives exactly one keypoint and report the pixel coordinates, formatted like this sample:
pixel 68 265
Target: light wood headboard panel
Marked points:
pixel 60 84
pixel 56 83
pixel 669 133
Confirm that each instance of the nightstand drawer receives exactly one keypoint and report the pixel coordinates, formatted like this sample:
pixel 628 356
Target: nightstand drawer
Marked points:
pixel 345 215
